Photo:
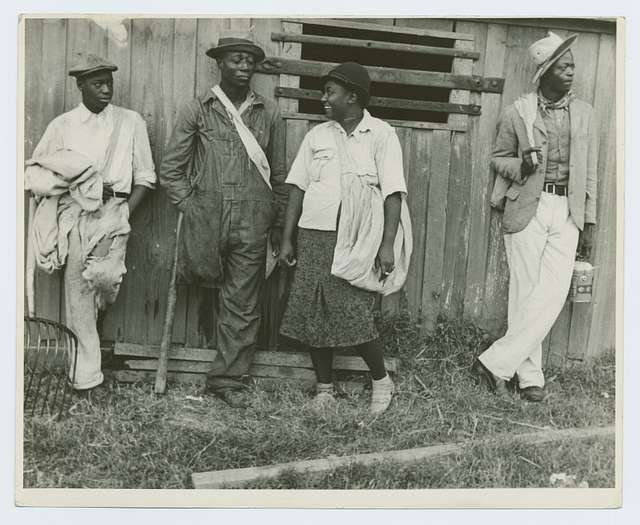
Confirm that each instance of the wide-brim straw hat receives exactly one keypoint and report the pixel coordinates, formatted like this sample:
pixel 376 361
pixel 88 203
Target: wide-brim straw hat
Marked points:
pixel 546 51
pixel 234 41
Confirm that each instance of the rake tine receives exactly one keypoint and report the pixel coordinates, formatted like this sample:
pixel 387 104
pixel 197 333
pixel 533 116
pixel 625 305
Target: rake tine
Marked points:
pixel 37 359
pixel 49 366
pixel 52 357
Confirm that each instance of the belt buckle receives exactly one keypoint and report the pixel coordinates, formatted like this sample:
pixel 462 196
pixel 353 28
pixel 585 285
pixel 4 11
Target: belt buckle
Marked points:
pixel 549 187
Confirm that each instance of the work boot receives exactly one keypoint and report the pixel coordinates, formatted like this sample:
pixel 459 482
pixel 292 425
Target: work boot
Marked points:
pixel 534 394
pixel 234 398
pixel 382 392
pixel 494 383
pixel 324 397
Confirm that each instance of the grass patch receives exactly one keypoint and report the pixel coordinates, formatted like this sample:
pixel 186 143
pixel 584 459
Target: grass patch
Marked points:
pixel 498 465
pixel 130 438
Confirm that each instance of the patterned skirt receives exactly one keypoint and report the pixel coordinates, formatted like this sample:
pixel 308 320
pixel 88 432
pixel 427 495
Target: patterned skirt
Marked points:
pixel 323 310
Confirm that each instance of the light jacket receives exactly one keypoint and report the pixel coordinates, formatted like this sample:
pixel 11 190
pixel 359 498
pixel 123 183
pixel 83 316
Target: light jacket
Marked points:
pixel 522 195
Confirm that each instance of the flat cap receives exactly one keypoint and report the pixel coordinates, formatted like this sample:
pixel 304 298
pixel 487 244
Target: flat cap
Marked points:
pixel 91 63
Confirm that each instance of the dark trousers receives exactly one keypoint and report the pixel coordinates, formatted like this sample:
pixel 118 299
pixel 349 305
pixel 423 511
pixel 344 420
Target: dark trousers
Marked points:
pixel 244 230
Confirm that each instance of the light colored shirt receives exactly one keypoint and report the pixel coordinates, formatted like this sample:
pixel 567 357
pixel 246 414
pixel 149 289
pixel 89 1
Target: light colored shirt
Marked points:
pixel 373 148
pixel 90 133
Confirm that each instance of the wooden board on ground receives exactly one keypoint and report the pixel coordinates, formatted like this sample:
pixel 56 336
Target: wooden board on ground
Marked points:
pixel 238 478
pixel 268 384
pixel 267 358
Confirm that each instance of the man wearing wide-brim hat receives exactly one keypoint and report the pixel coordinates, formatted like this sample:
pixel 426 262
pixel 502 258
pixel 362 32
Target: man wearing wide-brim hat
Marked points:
pixel 92 229
pixel 545 161
pixel 220 169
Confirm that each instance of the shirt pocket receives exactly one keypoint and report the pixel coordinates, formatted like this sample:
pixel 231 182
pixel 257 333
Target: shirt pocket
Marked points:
pixel 320 161
pixel 226 154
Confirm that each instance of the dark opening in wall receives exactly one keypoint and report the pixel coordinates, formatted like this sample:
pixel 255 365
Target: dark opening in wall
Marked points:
pixel 383 58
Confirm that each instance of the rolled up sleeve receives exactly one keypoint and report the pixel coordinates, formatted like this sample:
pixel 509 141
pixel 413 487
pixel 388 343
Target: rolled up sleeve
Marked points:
pixel 388 157
pixel 299 174
pixel 144 173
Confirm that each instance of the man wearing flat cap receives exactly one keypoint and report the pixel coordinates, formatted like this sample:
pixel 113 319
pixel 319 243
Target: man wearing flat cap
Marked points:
pixel 109 147
pixel 545 161
pixel 219 170
pixel 347 233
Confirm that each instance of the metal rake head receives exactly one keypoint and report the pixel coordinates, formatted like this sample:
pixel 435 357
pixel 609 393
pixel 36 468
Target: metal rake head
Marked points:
pixel 50 352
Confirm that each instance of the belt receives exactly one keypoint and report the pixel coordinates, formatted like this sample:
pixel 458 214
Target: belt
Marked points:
pixel 556 189
pixel 108 193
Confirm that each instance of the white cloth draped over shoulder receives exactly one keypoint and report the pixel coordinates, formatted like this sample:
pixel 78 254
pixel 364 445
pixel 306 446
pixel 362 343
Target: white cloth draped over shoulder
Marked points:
pixel 361 227
pixel 255 152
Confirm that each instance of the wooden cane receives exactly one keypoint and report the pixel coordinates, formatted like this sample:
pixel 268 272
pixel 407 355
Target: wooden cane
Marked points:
pixel 167 330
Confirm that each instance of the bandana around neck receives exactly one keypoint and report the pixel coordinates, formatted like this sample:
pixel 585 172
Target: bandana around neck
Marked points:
pixel 545 104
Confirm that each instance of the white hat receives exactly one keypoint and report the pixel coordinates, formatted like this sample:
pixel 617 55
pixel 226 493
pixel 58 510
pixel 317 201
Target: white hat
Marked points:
pixel 547 50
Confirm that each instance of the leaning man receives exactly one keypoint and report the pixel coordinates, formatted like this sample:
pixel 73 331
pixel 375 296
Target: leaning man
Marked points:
pixel 219 170
pixel 545 160
pixel 89 172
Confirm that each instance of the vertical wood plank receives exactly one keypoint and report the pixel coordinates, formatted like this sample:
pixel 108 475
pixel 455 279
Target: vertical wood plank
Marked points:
pixel 34 120
pixel 457 226
pixel 184 89
pixel 149 259
pixel 51 93
pixel 482 136
pixel 120 55
pixel 289 50
pixel 439 164
pixel 208 32
pixel 33 125
pixel 602 327
pixel 263 84
pixel 416 148
pixel 237 24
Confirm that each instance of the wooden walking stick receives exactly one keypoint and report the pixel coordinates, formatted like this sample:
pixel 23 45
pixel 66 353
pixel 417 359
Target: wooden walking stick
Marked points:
pixel 167 330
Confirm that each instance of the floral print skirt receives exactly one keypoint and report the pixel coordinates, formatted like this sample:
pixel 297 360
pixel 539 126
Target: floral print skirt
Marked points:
pixel 323 310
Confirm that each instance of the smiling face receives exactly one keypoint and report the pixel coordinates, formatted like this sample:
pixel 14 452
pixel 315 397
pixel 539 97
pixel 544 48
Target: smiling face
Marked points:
pixel 236 68
pixel 337 100
pixel 559 77
pixel 96 89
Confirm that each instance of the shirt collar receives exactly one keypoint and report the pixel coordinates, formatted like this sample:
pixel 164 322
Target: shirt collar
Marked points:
pixel 363 126
pixel 86 114
pixel 256 100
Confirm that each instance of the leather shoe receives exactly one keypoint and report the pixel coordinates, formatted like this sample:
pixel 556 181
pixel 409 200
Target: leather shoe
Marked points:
pixel 495 384
pixel 234 398
pixel 534 394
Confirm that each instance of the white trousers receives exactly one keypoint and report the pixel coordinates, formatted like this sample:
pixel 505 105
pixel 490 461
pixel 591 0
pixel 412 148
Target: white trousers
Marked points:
pixel 541 259
pixel 82 301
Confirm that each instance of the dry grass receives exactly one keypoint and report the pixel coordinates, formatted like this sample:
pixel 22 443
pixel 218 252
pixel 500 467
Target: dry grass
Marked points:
pixel 129 438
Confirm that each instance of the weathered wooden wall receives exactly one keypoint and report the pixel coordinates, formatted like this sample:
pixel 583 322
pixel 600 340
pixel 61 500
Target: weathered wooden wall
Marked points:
pixel 459 267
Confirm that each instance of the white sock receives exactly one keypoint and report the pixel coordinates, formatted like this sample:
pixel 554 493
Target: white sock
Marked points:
pixel 324 387
pixel 382 381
